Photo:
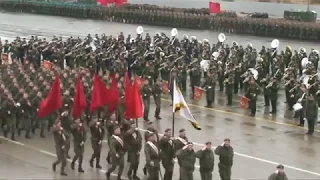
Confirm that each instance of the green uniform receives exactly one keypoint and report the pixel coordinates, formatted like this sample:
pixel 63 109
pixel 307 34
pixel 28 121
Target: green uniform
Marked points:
pixel 146 93
pixel 152 154
pixel 206 158
pixel 156 91
pixel 225 161
pixel 187 160
pixel 79 138
pixel 209 85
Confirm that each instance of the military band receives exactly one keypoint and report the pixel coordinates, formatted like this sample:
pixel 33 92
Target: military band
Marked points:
pixel 25 84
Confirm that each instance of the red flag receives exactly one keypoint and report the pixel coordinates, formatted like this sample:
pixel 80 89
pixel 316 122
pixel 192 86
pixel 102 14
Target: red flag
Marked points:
pixel 52 102
pixel 114 99
pixel 120 3
pixel 214 7
pixel 79 103
pixel 133 102
pixel 99 96
pixel 102 2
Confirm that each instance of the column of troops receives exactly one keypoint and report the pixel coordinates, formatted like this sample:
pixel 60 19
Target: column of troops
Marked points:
pixel 174 17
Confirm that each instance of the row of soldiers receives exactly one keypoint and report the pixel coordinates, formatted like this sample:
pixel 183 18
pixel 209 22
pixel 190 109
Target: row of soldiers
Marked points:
pixel 165 17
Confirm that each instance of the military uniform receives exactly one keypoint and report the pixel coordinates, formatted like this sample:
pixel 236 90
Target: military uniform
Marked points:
pixel 252 95
pixel 117 151
pixel 61 140
pixel 97 135
pixel 187 160
pixel 79 138
pixel 209 85
pixel 146 93
pixel 167 148
pixel 152 154
pixel 225 161
pixel 156 91
pixel 206 158
pixel 311 114
pixel 133 141
pixel 10 108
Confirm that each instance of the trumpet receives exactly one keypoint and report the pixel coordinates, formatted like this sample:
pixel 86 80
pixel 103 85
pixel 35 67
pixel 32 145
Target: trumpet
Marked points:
pixel 269 85
pixel 315 83
pixel 263 80
pixel 295 87
pixel 288 82
pixel 246 79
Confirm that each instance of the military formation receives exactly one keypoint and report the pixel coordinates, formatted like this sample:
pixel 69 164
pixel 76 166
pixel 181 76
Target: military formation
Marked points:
pixel 30 66
pixel 175 17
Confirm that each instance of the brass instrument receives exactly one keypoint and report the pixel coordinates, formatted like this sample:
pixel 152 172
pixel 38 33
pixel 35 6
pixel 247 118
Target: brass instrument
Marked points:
pixel 246 79
pixel 288 82
pixel 263 80
pixel 295 87
pixel 270 85
pixel 315 83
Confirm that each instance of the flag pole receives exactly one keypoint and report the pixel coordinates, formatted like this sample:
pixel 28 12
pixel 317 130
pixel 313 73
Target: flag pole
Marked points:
pixel 136 122
pixel 173 110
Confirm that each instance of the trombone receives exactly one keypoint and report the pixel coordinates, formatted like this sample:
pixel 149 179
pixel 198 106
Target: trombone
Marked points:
pixel 270 85
pixel 295 87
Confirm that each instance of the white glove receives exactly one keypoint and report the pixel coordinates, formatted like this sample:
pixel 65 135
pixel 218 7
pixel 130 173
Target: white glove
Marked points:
pixel 62 147
pixel 151 163
pixel 204 148
pixel 82 143
pixel 99 142
pixel 222 144
pixel 185 147
pixel 117 155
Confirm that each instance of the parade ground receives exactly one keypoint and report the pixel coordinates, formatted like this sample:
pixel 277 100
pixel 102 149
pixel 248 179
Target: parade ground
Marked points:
pixel 260 143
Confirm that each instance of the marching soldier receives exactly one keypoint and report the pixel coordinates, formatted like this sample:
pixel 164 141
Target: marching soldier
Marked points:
pixel 11 109
pixel 150 130
pixel 152 155
pixel 187 158
pixel 279 174
pixel 61 140
pixel 156 91
pixel 167 148
pixel 66 123
pixel 225 153
pixel 146 93
pixel 133 141
pixel 26 110
pixel 79 138
pixel 117 151
pixel 111 123
pixel 206 157
pixel 209 85
pixel 181 141
pixel 97 135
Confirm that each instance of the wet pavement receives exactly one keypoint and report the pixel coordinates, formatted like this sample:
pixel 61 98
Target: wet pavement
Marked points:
pixel 260 143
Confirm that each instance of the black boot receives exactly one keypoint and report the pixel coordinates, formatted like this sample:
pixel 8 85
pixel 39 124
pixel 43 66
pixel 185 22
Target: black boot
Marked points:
pixel 91 163
pixel 6 134
pixel 54 167
pixel 42 134
pixel 108 175
pixel 72 165
pixel 27 135
pixel 64 174
pixel 13 137
pixel 33 130
pixel 80 170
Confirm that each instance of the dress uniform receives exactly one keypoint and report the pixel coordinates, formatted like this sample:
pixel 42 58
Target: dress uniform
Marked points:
pixel 79 138
pixel 10 116
pixel 117 151
pixel 26 110
pixel 311 113
pixel 152 154
pixel 61 140
pixel 279 174
pixel 156 91
pixel 146 93
pixel 225 153
pixel 206 158
pixel 97 135
pixel 209 85
pixel 187 159
pixel 133 141
pixel 166 145
pixel 252 95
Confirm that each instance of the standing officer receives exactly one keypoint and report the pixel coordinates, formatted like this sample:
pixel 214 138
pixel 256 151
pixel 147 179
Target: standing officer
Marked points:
pixel 311 113
pixel 97 135
pixel 166 145
pixel 187 158
pixel 252 95
pixel 206 158
pixel 117 151
pixel 146 93
pixel 156 91
pixel 210 85
pixel 274 95
pixel 60 139
pixel 133 141
pixel 225 153
pixel 79 138
pixel 279 174
pixel 152 155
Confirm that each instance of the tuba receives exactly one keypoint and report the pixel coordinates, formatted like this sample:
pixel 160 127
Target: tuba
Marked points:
pixel 174 33
pixel 275 43
pixel 139 30
pixel 297 106
pixel 221 37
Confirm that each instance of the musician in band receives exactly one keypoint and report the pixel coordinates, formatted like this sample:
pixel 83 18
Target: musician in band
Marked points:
pixel 167 148
pixel 117 151
pixel 252 95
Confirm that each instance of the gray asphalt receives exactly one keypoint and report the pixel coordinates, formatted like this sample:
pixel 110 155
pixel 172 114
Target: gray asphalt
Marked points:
pixel 260 143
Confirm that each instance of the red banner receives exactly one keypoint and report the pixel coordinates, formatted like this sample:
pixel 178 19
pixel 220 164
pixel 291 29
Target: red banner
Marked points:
pixel 165 87
pixel 140 81
pixel 244 102
pixel 214 7
pixel 198 92
pixel 47 65
pixel 102 2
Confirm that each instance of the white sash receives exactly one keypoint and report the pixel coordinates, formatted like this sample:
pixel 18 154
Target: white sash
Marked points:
pixel 118 139
pixel 63 136
pixel 100 131
pixel 153 147
pixel 182 140
pixel 134 135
